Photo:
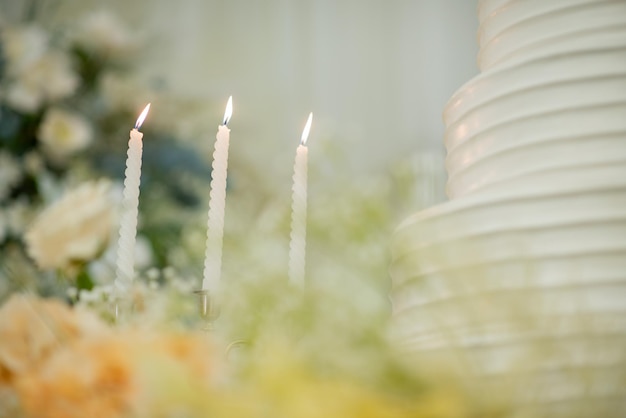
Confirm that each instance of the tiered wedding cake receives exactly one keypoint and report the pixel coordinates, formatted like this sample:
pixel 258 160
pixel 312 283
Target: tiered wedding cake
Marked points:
pixel 522 275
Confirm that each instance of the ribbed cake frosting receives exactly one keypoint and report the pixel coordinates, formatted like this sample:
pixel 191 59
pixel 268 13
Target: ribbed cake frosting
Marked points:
pixel 523 272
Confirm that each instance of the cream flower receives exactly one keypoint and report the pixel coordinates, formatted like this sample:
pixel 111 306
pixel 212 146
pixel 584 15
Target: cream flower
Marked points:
pixel 74 229
pixel 48 78
pixel 63 133
pixel 10 173
pixel 104 34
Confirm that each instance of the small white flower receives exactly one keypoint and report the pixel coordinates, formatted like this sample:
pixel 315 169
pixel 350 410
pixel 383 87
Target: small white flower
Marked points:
pixel 10 173
pixel 3 226
pixel 103 269
pixel 152 274
pixel 75 228
pixel 102 33
pixel 63 133
pixel 18 216
pixel 33 163
pixel 143 252
pixel 72 292
pixel 87 296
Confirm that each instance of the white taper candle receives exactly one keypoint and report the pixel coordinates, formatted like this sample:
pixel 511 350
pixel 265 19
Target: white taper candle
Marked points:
pixel 125 269
pixel 217 203
pixel 297 245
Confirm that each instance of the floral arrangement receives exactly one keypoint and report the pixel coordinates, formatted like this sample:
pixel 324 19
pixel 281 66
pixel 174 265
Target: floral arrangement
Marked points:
pixel 65 97
pixel 56 361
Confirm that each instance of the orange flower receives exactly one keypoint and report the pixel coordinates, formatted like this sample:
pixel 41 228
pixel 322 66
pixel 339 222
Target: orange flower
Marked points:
pixel 59 362
pixel 93 378
pixel 116 375
pixel 31 329
pixel 192 351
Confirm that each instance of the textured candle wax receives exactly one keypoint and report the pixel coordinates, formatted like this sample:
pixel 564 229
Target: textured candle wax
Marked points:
pixel 297 246
pixel 217 203
pixel 130 208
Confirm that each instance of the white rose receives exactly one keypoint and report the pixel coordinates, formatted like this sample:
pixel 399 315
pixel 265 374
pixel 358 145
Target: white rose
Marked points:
pixel 104 34
pixel 48 78
pixel 56 75
pixel 76 228
pixel 23 97
pixel 124 92
pixel 63 133
pixel 23 46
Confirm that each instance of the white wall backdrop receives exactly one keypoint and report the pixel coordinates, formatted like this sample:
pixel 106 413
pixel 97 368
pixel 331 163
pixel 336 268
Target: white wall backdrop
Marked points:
pixel 375 73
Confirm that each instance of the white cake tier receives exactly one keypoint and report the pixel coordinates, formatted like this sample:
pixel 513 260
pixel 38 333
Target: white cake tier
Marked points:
pixel 522 285
pixel 533 217
pixel 494 16
pixel 520 280
pixel 518 28
pixel 548 113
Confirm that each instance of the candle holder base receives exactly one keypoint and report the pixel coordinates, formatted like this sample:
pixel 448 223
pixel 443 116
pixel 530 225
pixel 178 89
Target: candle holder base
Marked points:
pixel 122 310
pixel 236 345
pixel 207 308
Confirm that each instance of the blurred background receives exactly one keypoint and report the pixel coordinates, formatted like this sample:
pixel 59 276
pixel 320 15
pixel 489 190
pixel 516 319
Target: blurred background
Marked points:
pixel 376 75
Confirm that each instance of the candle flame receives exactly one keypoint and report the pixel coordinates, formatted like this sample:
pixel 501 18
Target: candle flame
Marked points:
pixel 307 129
pixel 229 111
pixel 142 117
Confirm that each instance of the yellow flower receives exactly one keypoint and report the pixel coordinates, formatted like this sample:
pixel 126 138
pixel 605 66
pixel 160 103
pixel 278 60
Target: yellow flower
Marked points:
pixel 74 229
pixel 63 133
